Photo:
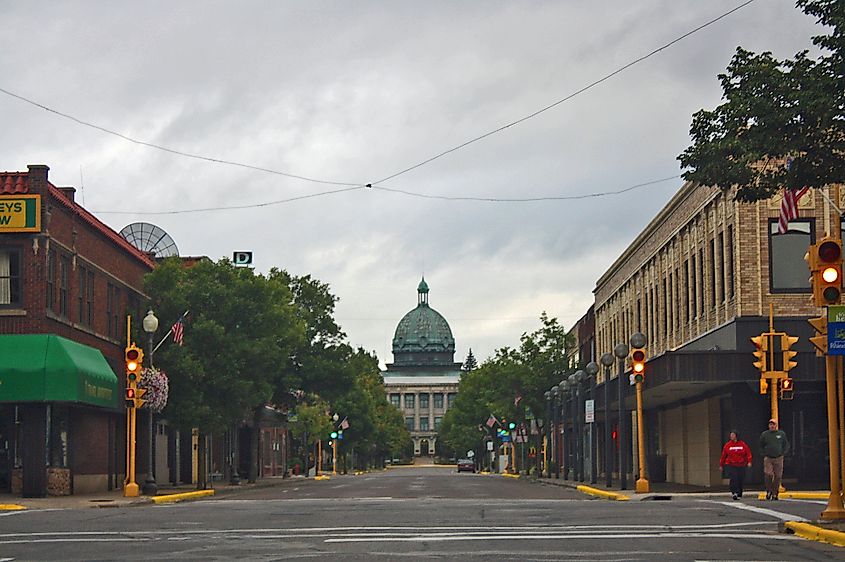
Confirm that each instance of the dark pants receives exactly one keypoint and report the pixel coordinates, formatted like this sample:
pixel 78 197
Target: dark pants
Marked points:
pixel 737 476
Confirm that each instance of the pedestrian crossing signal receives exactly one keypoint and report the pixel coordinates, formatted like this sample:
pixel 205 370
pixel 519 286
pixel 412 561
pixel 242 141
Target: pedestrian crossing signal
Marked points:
pixel 786 389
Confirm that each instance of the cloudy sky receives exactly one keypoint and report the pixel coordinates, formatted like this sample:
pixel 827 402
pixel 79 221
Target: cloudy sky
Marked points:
pixel 350 93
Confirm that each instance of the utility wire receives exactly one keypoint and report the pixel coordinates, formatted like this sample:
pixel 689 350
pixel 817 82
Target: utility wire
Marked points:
pixel 232 207
pixel 172 150
pixel 394 190
pixel 523 199
pixel 408 169
pixel 567 98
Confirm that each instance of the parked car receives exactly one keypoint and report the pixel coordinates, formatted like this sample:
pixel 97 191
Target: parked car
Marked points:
pixel 467 465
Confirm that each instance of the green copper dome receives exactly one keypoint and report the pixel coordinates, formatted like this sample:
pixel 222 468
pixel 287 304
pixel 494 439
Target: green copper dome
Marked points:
pixel 423 337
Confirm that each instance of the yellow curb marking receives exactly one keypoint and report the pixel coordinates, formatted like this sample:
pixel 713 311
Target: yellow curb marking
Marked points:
pixel 11 507
pixel 322 477
pixel 506 475
pixel 814 533
pixel 798 495
pixel 602 494
pixel 173 498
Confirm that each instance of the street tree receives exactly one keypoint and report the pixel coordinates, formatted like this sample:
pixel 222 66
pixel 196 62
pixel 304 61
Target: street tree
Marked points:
pixel 782 123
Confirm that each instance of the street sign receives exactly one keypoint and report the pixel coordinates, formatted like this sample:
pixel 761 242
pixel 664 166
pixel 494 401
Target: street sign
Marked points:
pixel 470 454
pixel 489 445
pixel 242 258
pixel 836 330
pixel 589 411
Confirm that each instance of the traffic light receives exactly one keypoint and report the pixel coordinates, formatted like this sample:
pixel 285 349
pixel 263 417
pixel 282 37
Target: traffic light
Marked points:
pixel 134 359
pixel 333 435
pixel 761 350
pixel 130 397
pixel 764 385
pixel 139 397
pixel 511 426
pixel 826 256
pixel 820 339
pixel 786 389
pixel 638 363
pixel 786 343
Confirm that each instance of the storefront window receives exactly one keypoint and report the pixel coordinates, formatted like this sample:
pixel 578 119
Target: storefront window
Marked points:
pixel 57 424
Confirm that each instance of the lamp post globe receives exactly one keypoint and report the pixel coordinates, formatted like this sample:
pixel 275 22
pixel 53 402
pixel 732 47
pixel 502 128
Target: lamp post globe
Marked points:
pixel 592 368
pixel 606 359
pixel 150 325
pixel 620 351
pixel 638 340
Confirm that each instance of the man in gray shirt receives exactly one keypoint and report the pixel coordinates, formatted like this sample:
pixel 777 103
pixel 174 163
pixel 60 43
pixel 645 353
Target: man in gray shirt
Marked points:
pixel 774 445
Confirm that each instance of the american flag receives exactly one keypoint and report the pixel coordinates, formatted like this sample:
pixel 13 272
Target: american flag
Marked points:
pixel 789 207
pixel 178 330
pixel 345 423
pixel 491 421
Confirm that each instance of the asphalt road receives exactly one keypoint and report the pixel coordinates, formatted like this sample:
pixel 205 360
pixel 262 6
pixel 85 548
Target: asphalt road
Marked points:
pixel 416 513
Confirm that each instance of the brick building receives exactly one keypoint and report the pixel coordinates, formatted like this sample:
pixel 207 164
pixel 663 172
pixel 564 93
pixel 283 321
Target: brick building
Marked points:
pixel 698 281
pixel 67 283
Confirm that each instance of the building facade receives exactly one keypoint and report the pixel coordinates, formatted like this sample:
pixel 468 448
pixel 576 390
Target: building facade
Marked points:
pixel 67 283
pixel 699 281
pixel 422 382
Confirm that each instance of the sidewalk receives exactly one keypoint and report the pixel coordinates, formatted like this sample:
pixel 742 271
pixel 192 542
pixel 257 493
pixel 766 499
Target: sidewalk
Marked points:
pixel 115 498
pixel 832 532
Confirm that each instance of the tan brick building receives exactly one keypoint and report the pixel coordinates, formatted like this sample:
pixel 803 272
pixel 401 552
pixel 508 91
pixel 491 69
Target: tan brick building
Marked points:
pixel 698 281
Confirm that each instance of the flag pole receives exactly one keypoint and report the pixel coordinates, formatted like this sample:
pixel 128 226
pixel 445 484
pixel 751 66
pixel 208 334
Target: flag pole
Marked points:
pixel 167 335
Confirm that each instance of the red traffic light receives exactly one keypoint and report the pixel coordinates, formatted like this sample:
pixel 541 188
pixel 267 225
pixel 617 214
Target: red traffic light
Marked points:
pixel 829 251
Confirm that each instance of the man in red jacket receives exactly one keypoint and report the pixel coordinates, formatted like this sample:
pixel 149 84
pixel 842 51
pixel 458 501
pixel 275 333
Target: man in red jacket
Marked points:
pixel 736 456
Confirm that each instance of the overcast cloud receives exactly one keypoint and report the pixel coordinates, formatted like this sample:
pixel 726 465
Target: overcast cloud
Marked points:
pixel 353 92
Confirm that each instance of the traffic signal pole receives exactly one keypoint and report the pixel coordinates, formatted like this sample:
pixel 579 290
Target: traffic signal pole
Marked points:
pixel 131 488
pixel 835 509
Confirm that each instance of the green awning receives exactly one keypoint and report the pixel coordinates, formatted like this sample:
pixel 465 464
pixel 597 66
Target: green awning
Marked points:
pixel 50 368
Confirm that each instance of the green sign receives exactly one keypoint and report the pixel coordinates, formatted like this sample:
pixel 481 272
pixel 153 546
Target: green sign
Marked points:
pixel 20 213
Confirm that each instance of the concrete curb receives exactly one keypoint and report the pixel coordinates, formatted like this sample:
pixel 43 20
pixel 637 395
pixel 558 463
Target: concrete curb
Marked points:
pixel 602 493
pixel 814 533
pixel 173 498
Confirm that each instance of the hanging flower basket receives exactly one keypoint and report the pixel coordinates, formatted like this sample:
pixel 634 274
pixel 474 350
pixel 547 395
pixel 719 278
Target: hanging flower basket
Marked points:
pixel 155 383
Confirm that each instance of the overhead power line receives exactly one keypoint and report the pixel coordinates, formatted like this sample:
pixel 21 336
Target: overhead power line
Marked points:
pixel 567 98
pixel 398 191
pixel 396 174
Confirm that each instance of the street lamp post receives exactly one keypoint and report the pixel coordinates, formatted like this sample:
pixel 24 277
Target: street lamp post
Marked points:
pixel 607 362
pixel 575 380
pixel 555 434
pixel 592 370
pixel 638 340
pixel 563 388
pixel 150 324
pixel 548 396
pixel 621 352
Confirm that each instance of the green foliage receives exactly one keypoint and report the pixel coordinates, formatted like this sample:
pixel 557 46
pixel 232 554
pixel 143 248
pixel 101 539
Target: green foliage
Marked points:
pixel 773 111
pixel 241 333
pixel 539 362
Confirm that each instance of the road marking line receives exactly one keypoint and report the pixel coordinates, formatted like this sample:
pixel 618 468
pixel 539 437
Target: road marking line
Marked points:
pixel 627 536
pixel 762 511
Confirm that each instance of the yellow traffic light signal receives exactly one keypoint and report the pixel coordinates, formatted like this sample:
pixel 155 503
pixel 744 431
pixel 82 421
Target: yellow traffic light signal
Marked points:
pixel 786 343
pixel 827 275
pixel 134 359
pixel 764 386
pixel 761 350
pixel 638 357
pixel 786 389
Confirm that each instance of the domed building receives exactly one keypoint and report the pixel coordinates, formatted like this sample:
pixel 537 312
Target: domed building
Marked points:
pixel 423 379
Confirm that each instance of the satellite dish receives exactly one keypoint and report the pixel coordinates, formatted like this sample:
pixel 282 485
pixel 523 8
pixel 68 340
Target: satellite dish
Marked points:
pixel 151 239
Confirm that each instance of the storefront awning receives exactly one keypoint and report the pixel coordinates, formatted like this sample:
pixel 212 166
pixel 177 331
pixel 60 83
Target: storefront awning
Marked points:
pixel 50 368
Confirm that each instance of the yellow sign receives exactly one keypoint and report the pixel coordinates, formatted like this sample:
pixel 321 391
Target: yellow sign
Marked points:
pixel 20 213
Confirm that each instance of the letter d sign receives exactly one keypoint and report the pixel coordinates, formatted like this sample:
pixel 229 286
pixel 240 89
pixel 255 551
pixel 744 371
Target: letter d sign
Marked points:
pixel 242 258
